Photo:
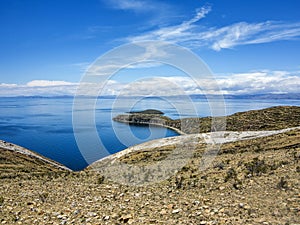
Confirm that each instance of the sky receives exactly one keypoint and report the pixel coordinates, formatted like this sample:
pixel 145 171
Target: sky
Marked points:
pixel 251 46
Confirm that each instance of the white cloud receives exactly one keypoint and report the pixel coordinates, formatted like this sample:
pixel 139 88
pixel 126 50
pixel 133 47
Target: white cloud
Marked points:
pixel 137 55
pixel 250 33
pixel 128 5
pixel 173 33
pixel 156 12
pixel 193 34
pixel 4 85
pixel 82 66
pixel 39 87
pixel 156 86
pixel 260 82
pixel 139 6
pixel 47 83
pixel 144 65
pixel 200 13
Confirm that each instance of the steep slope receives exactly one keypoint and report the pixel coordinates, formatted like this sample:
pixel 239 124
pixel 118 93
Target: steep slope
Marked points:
pixel 18 161
pixel 252 180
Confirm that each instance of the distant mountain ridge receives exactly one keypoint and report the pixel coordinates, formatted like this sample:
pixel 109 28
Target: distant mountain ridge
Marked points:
pixel 295 96
pixel 252 180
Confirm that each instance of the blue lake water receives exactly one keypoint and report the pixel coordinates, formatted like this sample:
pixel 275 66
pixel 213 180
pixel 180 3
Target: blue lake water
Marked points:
pixel 45 125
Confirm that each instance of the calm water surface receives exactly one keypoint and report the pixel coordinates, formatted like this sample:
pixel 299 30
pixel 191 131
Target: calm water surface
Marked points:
pixel 44 125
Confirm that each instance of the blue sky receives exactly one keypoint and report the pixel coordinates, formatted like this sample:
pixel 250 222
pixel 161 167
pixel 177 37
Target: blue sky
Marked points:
pixel 45 46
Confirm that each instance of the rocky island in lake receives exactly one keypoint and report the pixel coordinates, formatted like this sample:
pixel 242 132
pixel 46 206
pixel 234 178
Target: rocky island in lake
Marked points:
pixel 148 111
pixel 254 179
pixel 273 118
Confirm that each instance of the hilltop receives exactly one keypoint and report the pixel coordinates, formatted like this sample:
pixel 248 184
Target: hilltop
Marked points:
pixel 254 179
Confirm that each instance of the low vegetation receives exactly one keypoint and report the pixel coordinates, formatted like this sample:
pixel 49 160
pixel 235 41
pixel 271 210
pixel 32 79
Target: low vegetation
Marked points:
pixel 274 118
pixel 253 181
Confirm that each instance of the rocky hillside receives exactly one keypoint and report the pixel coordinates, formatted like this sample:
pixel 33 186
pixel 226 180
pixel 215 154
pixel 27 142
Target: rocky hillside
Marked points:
pixel 251 181
pixel 16 161
pixel 274 118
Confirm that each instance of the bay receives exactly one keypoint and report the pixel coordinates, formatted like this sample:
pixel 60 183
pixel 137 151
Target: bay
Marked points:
pixel 45 125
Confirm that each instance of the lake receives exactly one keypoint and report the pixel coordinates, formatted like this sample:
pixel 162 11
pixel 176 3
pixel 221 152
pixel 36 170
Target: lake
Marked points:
pixel 45 125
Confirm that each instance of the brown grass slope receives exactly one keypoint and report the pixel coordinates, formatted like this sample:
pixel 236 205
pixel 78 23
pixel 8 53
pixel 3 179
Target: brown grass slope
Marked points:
pixel 250 182
pixel 15 164
pixel 273 118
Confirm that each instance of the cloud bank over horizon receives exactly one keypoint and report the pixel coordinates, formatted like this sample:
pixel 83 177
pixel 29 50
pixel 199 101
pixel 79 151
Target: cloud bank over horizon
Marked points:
pixel 260 82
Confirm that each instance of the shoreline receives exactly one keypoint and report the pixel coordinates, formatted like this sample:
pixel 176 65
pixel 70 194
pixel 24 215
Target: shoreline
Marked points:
pixel 276 123
pixel 19 149
pixel 158 125
pixel 220 137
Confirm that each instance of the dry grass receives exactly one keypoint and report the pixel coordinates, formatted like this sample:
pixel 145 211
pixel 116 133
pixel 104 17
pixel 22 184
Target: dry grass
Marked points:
pixel 250 182
pixel 274 118
pixel 14 164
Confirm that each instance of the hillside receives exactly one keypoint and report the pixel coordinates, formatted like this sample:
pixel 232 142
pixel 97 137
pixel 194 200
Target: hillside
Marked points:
pixel 274 118
pixel 16 161
pixel 254 179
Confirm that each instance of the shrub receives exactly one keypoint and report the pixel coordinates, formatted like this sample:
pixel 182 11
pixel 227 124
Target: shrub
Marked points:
pixel 256 167
pixel 237 184
pixel 179 182
pixel 231 174
pixel 220 166
pixel 1 200
pixel 100 180
pixel 282 184
pixel 43 196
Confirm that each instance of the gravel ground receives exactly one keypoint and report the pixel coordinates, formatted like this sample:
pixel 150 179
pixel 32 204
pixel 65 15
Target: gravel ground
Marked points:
pixel 253 179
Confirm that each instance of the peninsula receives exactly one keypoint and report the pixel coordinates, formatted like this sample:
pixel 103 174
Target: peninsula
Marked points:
pixel 274 118
pixel 254 179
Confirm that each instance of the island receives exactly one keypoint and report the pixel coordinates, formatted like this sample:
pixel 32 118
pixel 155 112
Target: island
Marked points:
pixel 254 179
pixel 273 118
pixel 148 111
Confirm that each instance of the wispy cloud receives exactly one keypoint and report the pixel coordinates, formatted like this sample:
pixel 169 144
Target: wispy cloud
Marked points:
pixel 177 33
pixel 192 34
pixel 138 6
pixel 250 33
pixel 260 82
pixel 156 12
pixel 82 66
pixel 138 55
pixel 145 65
